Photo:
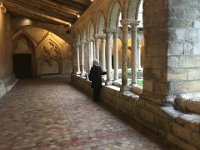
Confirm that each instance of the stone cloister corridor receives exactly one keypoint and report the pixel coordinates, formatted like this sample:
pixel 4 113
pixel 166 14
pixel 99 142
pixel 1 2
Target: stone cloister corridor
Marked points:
pixel 47 114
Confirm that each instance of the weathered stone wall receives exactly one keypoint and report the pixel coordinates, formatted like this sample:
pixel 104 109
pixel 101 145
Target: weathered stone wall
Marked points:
pixel 50 54
pixel 6 75
pixel 177 127
pixel 155 17
pixel 184 46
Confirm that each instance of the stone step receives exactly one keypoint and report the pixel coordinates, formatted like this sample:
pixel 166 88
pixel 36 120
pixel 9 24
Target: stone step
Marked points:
pixel 188 103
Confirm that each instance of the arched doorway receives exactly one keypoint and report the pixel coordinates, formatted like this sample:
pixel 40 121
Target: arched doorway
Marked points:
pixel 22 65
pixel 23 57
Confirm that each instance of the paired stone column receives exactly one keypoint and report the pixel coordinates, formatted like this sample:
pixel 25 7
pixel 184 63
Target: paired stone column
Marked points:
pixel 116 59
pixel 134 54
pixel 109 56
pixel 82 58
pixel 103 49
pixel 124 86
pixel 78 58
pixel 96 36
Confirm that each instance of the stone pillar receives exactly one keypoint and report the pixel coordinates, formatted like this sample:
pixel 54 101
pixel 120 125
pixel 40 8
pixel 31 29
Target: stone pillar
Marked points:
pixel 93 49
pixel 96 36
pixel 78 58
pixel 109 56
pixel 90 54
pixel 165 66
pixel 124 86
pixel 103 48
pixel 134 53
pixel 2 40
pixel 82 59
pixel 115 39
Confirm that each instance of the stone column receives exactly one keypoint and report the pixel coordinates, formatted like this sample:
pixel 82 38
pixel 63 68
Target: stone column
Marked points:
pixel 93 49
pixel 89 54
pixel 124 86
pixel 82 59
pixel 96 36
pixel 78 58
pixel 2 41
pixel 109 56
pixel 134 49
pixel 115 39
pixel 103 48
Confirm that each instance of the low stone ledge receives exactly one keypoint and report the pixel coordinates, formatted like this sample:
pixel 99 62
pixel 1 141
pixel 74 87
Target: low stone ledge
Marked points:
pixel 6 85
pixel 191 121
pixel 169 113
pixel 136 89
pixel 188 103
pixel 175 140
pixel 2 89
pixel 186 135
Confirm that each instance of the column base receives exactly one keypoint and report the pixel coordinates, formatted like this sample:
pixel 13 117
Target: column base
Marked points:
pixel 83 74
pixel 124 88
pixel 78 73
pixel 108 82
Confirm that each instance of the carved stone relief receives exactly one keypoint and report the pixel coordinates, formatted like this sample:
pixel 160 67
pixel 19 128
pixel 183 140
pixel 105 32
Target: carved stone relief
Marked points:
pixel 50 58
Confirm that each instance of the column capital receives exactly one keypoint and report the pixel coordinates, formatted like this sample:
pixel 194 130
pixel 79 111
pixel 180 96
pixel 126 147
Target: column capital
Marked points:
pixel 92 39
pixel 130 22
pixel 77 44
pixel 102 36
pixel 83 42
pixel 111 30
pixel 96 36
pixel 135 23
pixel 125 22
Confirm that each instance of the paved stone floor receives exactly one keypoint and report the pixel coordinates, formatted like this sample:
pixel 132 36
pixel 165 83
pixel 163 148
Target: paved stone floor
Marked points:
pixel 50 114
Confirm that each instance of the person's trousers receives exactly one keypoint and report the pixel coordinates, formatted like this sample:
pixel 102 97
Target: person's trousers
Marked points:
pixel 96 93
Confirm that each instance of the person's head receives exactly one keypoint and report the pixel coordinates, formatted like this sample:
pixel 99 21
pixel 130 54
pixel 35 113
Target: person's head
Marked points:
pixel 95 62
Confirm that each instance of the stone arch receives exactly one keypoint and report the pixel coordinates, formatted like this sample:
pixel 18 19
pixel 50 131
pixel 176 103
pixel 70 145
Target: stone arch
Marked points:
pixel 48 55
pixel 114 13
pixel 131 9
pixel 78 38
pixel 30 43
pixel 22 34
pixel 83 34
pixel 91 30
pixel 57 30
pixel 100 23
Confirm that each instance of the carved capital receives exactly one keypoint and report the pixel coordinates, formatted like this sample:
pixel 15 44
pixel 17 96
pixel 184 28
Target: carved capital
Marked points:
pixel 134 23
pixel 102 36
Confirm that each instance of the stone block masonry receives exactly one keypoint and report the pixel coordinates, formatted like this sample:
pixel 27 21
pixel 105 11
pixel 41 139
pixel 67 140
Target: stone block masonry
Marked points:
pixel 177 127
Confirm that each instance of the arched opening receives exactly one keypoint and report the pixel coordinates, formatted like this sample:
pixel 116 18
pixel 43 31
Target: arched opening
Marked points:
pixel 116 47
pixel 49 53
pixel 84 53
pixel 135 13
pixel 92 52
pixel 23 57
pixel 100 37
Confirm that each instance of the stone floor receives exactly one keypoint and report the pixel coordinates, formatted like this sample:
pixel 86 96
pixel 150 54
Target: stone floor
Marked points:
pixel 50 114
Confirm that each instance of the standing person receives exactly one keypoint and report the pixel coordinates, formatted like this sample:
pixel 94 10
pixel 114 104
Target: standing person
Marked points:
pixel 95 77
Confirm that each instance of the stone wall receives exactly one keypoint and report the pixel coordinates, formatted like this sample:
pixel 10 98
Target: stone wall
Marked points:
pixel 49 53
pixel 177 127
pixel 7 79
pixel 184 46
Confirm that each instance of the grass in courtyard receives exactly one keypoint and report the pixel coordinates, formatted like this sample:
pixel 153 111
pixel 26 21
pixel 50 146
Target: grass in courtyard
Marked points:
pixel 139 82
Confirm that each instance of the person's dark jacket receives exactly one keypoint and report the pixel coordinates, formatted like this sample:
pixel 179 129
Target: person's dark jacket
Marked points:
pixel 95 76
